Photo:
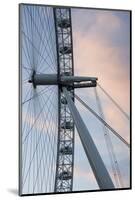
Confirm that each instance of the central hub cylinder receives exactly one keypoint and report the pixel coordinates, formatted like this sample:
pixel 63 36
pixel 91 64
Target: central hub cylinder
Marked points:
pixel 52 79
pixel 45 79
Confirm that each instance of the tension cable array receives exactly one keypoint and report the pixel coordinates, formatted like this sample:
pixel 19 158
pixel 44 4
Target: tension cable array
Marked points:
pixel 114 163
pixel 116 104
pixel 102 121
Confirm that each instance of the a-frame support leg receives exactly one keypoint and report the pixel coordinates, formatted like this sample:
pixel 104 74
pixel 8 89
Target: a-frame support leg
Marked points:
pixel 101 174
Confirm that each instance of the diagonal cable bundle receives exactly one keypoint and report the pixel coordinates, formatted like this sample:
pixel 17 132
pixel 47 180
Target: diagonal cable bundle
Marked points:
pixel 114 163
pixel 103 121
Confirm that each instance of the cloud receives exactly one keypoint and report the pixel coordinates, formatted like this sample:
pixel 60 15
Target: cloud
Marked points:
pixel 84 173
pixel 120 124
pixel 95 54
pixel 101 49
pixel 84 179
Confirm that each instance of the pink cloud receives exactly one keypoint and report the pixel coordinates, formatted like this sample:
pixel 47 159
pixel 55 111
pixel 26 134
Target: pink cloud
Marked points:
pixel 119 123
pixel 85 176
pixel 94 55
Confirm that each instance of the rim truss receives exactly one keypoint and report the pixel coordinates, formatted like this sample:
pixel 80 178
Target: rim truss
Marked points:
pixel 65 148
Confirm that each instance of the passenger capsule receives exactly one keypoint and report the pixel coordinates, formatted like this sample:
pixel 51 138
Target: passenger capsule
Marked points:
pixel 66 74
pixel 65 175
pixel 66 150
pixel 67 125
pixel 64 23
pixel 65 50
pixel 63 100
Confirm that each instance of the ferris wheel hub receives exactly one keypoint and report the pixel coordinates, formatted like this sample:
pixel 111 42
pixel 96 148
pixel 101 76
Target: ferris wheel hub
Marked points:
pixel 64 80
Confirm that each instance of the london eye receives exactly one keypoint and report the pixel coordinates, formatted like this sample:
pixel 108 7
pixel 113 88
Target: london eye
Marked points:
pixel 50 122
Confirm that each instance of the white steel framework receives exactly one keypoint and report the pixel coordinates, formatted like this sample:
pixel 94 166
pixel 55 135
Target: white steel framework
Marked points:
pixel 65 148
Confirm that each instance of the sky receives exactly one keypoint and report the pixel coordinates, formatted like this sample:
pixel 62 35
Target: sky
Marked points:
pixel 101 46
pixel 101 42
